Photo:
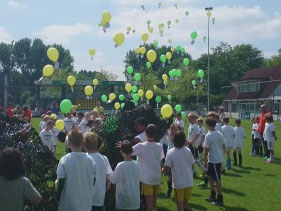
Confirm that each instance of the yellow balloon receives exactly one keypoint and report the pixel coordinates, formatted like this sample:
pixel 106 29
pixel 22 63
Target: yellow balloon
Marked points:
pixel 150 30
pixel 53 116
pixel 112 97
pixel 149 94
pixel 128 87
pixel 129 28
pixel 209 14
pixel 140 92
pixel 155 87
pixel 151 56
pixel 95 82
pixel 165 77
pixel 74 107
pixel 102 23
pixel 142 50
pixel 144 37
pixel 119 38
pixel 92 52
pixel 53 54
pixel 117 106
pixel 71 80
pixel 106 16
pixel 172 50
pixel 166 111
pixel 161 25
pixel 168 55
pixel 48 70
pixel 89 90
pixel 137 50
pixel 60 124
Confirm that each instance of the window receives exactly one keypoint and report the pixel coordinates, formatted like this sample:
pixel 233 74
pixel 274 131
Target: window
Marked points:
pixel 249 86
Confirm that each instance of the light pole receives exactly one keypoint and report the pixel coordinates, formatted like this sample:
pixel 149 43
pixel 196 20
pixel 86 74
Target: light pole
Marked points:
pixel 209 13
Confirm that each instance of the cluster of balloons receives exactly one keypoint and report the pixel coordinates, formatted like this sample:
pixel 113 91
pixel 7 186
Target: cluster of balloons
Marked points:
pixel 105 19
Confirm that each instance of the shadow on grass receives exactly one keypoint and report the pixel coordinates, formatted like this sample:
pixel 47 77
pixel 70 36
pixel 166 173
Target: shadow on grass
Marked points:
pixel 232 175
pixel 251 168
pixel 233 192
pixel 241 171
pixel 196 195
pixel 270 175
pixel 228 208
pixel 197 207
pixel 162 209
pixel 277 161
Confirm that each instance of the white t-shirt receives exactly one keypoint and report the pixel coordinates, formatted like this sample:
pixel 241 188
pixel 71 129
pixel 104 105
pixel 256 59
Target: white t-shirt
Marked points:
pixel 180 161
pixel 218 127
pixel 79 171
pixel 149 155
pixel 68 124
pixel 103 168
pixel 269 128
pixel 167 140
pixel 180 123
pixel 254 132
pixel 47 138
pixel 42 125
pixel 200 140
pixel 55 137
pixel 126 176
pixel 239 135
pixel 141 137
pixel 214 142
pixel 228 133
pixel 83 126
pixel 193 130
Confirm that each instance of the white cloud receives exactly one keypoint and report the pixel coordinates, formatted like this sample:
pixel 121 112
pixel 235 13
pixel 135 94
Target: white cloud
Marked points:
pixel 16 6
pixel 4 36
pixel 164 3
pixel 63 33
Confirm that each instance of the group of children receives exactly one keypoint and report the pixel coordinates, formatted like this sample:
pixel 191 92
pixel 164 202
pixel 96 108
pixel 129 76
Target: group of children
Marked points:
pixel 175 155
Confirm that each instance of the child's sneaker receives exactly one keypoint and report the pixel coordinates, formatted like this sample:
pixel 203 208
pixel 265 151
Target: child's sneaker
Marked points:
pixel 269 161
pixel 265 158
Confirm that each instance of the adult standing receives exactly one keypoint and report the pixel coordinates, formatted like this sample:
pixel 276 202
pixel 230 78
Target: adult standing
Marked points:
pixel 221 113
pixel 261 128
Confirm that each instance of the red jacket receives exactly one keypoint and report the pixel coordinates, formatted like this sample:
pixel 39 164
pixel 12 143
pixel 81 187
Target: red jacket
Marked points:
pixel 262 122
pixel 9 112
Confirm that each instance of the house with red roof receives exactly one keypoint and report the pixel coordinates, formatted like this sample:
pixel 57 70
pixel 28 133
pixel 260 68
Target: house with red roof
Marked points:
pixel 253 89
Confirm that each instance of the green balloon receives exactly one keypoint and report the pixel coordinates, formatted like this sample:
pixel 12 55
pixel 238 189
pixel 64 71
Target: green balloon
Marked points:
pixel 183 115
pixel 163 58
pixel 182 50
pixel 122 105
pixel 137 77
pixel 171 73
pixel 186 62
pixel 178 47
pixel 213 20
pixel 148 65
pixel 169 97
pixel 130 70
pixel 205 38
pixel 178 73
pixel 65 106
pixel 178 108
pixel 155 43
pixel 136 97
pixel 201 74
pixel 121 97
pixel 148 22
pixel 193 82
pixel 134 89
pixel 174 72
pixel 193 35
pixel 169 22
pixel 104 98
pixel 158 99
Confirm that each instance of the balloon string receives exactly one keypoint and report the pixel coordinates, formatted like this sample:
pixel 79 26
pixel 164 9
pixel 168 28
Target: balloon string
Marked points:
pixel 72 88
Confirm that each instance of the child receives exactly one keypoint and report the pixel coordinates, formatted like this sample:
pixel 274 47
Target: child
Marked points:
pixel 180 160
pixel 239 136
pixel 103 169
pixel 126 176
pixel 269 136
pixel 46 118
pixel 83 124
pixel 15 188
pixel 256 137
pixel 180 122
pixel 228 134
pixel 47 136
pixel 214 150
pixel 201 138
pixel 218 124
pixel 69 122
pixel 150 155
pixel 41 122
pixel 140 125
pixel 55 137
pixel 76 175
pixel 193 135
pixel 80 116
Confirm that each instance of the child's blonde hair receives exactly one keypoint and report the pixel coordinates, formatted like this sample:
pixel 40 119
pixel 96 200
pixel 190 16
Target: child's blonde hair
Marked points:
pixel 91 141
pixel 192 115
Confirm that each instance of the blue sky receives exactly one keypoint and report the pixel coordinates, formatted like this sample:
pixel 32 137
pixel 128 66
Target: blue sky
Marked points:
pixel 74 24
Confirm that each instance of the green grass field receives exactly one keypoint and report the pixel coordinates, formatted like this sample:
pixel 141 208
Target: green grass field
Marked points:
pixel 255 186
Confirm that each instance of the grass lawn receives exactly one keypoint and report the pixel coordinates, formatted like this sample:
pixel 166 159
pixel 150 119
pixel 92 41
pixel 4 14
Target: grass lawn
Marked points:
pixel 255 186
